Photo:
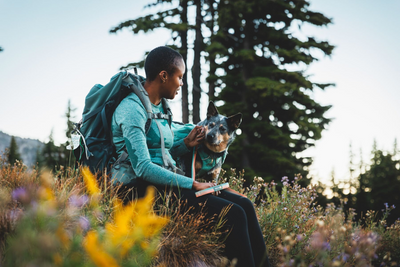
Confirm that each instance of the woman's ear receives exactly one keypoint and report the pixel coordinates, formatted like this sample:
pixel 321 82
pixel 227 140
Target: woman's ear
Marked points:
pixel 163 76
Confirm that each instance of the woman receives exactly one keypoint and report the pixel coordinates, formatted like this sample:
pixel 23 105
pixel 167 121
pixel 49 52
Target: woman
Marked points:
pixel 164 69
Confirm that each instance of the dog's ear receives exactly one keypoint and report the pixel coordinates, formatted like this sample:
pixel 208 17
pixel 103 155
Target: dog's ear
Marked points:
pixel 234 121
pixel 212 110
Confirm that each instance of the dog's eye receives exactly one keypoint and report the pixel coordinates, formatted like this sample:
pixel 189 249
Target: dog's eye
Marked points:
pixel 222 129
pixel 212 125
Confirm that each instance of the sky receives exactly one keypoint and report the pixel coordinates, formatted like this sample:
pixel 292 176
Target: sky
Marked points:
pixel 55 51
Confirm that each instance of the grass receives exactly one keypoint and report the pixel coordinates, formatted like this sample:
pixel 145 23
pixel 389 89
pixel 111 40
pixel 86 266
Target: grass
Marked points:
pixel 68 219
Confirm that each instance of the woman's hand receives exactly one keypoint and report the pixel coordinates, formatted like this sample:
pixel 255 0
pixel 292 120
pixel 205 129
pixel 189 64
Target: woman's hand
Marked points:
pixel 200 186
pixel 195 137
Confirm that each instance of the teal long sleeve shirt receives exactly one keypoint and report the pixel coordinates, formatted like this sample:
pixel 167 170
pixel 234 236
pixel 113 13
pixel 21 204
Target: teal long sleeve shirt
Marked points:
pixel 128 128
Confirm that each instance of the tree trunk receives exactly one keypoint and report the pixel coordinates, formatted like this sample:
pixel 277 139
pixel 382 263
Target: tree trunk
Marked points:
pixel 184 48
pixel 211 57
pixel 245 77
pixel 196 69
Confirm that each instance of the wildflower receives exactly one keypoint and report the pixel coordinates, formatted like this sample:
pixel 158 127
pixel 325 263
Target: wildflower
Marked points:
pixel 57 259
pixel 91 185
pixel 90 182
pixel 96 251
pixel 62 235
pixel 299 237
pixel 133 222
pixel 84 223
pixel 326 246
pixel 316 241
pixel 46 193
pixel 78 201
pixel 20 194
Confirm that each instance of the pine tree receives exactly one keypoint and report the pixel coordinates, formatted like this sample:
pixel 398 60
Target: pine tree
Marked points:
pixel 52 156
pixel 383 179
pixel 250 46
pixel 13 153
pixel 256 47
pixel 175 19
pixel 379 184
pixel 68 155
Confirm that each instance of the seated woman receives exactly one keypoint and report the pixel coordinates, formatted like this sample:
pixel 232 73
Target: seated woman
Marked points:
pixel 164 69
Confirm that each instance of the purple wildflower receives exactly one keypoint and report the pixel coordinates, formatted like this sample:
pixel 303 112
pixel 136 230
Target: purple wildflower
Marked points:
pixel 19 194
pixel 326 246
pixel 84 223
pixel 78 201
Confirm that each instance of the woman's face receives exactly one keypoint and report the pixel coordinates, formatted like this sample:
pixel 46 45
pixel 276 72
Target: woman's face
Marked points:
pixel 173 82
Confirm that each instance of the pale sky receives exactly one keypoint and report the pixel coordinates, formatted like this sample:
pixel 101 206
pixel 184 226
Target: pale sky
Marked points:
pixel 57 50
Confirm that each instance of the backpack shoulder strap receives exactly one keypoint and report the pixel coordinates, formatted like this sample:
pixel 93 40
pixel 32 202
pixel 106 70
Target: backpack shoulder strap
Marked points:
pixel 167 111
pixel 132 81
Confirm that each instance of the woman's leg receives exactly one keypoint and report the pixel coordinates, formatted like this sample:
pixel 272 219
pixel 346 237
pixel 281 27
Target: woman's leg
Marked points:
pixel 255 234
pixel 238 240
pixel 241 237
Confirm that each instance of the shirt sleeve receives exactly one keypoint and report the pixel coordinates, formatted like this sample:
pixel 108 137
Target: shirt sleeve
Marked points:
pixel 131 118
pixel 180 132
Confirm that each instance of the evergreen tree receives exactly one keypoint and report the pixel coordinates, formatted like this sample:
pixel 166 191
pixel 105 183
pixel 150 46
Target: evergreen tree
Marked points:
pixel 252 44
pixel 383 177
pixel 13 153
pixel 52 156
pixel 69 116
pixel 280 118
pixel 379 184
pixel 174 19
pixel 68 154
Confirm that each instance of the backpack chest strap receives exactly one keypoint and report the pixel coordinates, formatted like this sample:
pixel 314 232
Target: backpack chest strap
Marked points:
pixel 161 116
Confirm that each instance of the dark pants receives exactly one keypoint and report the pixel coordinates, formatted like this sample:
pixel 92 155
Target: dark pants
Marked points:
pixel 244 241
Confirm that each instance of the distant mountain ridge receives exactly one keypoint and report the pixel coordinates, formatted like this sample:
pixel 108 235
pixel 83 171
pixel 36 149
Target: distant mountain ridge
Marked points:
pixel 27 147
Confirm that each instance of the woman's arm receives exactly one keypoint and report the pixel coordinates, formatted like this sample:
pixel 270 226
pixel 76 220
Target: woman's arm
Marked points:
pixel 131 118
pixel 186 136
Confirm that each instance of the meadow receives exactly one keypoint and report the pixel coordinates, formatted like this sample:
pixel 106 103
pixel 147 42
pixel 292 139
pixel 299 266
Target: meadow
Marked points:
pixel 70 218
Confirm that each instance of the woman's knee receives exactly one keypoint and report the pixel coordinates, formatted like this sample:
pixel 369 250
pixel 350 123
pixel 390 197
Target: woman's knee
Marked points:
pixel 245 203
pixel 236 214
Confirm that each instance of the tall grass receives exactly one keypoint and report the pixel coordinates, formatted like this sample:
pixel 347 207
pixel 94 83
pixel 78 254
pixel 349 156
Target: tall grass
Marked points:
pixel 69 219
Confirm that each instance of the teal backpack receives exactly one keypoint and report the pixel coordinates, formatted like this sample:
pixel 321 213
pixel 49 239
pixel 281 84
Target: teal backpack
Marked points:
pixel 95 148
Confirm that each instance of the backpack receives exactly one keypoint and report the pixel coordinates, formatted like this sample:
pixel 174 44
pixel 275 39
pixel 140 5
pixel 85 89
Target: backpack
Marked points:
pixel 96 149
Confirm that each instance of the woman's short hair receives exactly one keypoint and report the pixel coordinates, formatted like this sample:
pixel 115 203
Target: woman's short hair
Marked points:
pixel 159 59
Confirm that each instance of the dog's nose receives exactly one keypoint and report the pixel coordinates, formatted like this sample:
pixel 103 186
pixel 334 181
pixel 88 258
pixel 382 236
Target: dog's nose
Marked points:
pixel 210 137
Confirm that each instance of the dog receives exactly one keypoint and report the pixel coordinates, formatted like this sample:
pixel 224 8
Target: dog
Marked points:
pixel 206 159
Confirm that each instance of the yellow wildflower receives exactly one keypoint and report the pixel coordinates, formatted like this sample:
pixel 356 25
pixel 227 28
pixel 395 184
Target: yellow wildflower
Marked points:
pixel 46 191
pixel 57 259
pixel 120 232
pixel 62 235
pixel 90 182
pixel 96 252
pixel 134 222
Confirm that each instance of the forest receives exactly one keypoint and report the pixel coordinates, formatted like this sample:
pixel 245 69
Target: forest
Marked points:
pixel 245 56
